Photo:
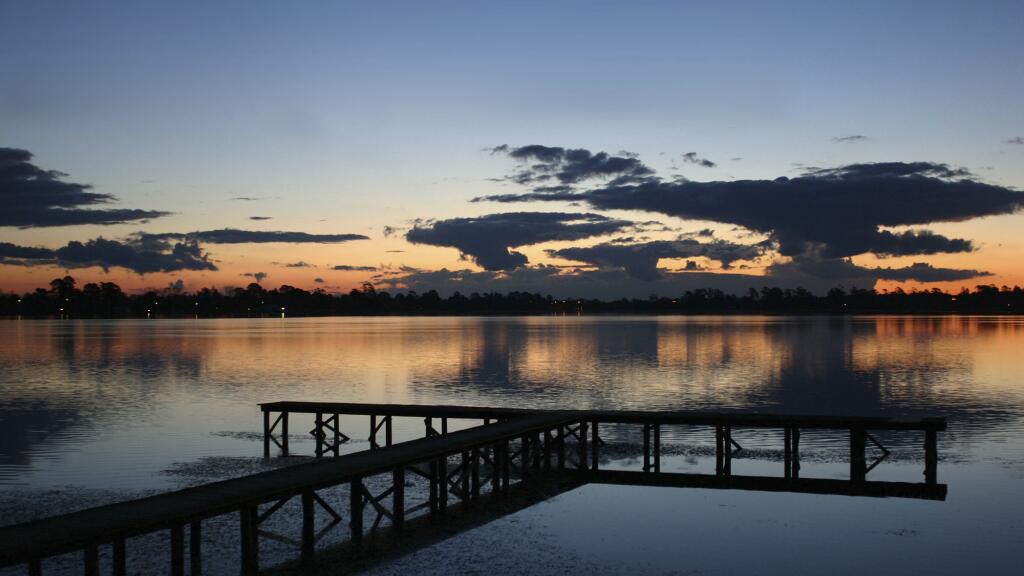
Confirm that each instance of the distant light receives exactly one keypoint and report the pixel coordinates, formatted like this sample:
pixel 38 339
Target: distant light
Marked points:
pixel 282 308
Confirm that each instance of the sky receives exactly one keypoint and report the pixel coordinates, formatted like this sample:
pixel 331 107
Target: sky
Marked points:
pixel 574 148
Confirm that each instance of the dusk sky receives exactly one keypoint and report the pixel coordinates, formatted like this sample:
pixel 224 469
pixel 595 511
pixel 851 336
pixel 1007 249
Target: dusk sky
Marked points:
pixel 572 148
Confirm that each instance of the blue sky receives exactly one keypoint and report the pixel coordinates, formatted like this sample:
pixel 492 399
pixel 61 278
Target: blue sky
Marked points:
pixel 346 118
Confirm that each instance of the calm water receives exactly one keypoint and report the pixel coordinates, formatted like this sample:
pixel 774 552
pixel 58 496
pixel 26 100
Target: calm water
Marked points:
pixel 115 404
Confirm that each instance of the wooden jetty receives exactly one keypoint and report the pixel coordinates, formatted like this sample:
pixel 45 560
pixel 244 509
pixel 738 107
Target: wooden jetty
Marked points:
pixel 512 445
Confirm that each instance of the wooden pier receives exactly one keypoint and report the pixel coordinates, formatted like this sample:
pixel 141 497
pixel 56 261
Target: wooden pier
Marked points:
pixel 512 445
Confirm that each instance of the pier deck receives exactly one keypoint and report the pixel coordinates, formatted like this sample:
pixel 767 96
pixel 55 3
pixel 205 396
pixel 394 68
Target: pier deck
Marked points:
pixel 513 445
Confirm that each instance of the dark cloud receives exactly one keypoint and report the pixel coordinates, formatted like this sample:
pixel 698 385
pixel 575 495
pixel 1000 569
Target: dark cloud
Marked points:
pixel 34 197
pixel 488 240
pixel 8 250
pixel 832 213
pixel 318 280
pixel 692 158
pixel 850 139
pixel 389 231
pixel 1019 140
pixel 247 198
pixel 261 217
pixel 258 276
pixel 569 166
pixel 235 236
pixel 604 284
pixel 640 261
pixel 843 269
pixel 394 251
pixel 299 264
pixel 109 254
pixel 348 268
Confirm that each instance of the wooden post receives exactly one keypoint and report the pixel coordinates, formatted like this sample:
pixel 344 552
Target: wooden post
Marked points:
pixel 178 550
pixel 561 447
pixel 249 540
pixel 496 468
pixel 727 445
pixel 719 451
pixel 195 547
pixel 91 561
pixel 428 425
pixel 787 452
pixel 284 433
pixel 858 467
pixel 308 527
pixel 595 441
pixel 583 445
pixel 373 431
pixel 336 448
pixel 931 457
pixel 657 447
pixel 387 432
pixel 475 473
pixel 796 452
pixel 506 465
pixel 524 457
pixel 433 499
pixel 356 509
pixel 442 482
pixel 119 560
pixel 319 427
pixel 547 449
pixel 647 448
pixel 538 450
pixel 398 497
pixel 464 479
pixel 444 425
pixel 266 434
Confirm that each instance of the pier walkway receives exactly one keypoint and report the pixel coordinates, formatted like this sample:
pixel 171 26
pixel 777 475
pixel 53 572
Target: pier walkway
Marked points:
pixel 512 445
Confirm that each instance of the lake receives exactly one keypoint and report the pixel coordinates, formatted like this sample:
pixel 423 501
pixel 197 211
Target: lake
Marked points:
pixel 121 407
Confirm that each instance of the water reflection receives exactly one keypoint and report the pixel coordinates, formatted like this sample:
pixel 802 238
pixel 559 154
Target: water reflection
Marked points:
pixel 185 379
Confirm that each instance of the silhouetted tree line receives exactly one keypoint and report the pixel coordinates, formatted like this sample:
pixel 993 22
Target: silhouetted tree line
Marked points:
pixel 106 299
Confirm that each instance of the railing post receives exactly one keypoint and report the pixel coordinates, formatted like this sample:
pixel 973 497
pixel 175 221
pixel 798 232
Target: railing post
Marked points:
pixel 442 483
pixel 495 468
pixel 308 527
pixel 319 427
pixel 387 431
pixel 727 445
pixel 433 499
pixel 464 480
pixel 398 498
pixel 119 561
pixel 594 440
pixel 336 448
pixel 373 431
pixel 561 447
pixel 475 473
pixel 858 466
pixel 249 540
pixel 583 445
pixel 195 548
pixel 787 451
pixel 647 447
pixel 266 434
pixel 356 509
pixel 547 449
pixel 719 451
pixel 178 550
pixel 524 457
pixel 796 452
pixel 506 465
pixel 284 433
pixel 91 561
pixel 657 447
pixel 931 457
